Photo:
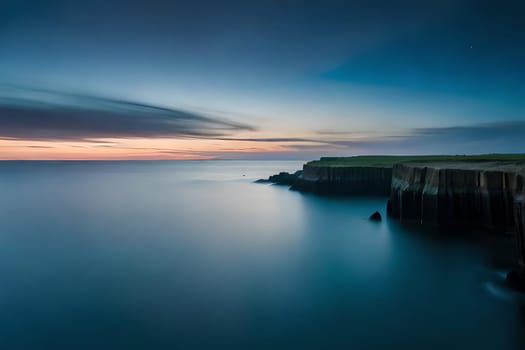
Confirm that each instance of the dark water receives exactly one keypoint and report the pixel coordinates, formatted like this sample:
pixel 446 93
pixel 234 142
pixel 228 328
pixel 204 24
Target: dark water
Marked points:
pixel 163 255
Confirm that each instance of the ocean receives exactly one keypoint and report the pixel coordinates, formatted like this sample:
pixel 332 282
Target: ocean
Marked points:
pixel 194 255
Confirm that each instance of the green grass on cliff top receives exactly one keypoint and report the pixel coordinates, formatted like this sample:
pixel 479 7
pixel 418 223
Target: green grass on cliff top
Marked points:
pixel 389 161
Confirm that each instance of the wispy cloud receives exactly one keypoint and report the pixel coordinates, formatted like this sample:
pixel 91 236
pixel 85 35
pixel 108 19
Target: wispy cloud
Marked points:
pixel 481 131
pixel 271 139
pixel 502 136
pixel 45 115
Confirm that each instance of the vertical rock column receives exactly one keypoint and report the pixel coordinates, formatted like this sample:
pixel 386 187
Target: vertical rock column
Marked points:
pixel 519 224
pixel 470 198
pixel 517 276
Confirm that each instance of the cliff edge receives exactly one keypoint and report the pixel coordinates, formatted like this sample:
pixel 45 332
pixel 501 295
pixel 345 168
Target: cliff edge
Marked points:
pixel 475 192
pixel 345 180
pixel 472 194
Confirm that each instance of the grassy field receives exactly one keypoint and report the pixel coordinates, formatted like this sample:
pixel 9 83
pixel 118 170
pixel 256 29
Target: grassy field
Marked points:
pixel 389 161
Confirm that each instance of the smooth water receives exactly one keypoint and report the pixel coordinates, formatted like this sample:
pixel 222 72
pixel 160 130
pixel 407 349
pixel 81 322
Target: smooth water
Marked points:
pixel 191 255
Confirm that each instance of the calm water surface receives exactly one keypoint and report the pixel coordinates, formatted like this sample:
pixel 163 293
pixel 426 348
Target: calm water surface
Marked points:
pixel 191 255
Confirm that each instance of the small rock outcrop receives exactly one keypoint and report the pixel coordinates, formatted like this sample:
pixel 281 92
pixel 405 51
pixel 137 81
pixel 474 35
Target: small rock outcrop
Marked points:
pixel 375 216
pixel 283 178
pixel 262 181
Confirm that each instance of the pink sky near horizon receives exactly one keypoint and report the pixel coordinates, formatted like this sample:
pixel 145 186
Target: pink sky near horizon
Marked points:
pixel 137 148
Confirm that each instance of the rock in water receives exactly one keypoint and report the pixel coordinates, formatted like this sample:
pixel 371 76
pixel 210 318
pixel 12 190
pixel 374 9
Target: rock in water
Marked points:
pixel 375 216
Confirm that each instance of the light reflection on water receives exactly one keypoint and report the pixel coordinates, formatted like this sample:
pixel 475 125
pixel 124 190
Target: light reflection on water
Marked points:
pixel 193 254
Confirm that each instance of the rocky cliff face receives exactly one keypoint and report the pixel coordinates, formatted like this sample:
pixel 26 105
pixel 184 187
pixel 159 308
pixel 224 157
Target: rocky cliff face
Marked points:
pixel 345 180
pixel 516 277
pixel 519 219
pixel 478 196
pixel 487 195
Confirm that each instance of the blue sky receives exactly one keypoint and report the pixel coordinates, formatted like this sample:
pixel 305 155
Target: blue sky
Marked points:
pixel 297 79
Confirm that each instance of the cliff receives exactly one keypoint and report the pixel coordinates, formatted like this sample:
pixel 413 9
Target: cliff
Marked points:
pixel 475 192
pixel 471 194
pixel 353 180
pixel 516 277
pixel 372 174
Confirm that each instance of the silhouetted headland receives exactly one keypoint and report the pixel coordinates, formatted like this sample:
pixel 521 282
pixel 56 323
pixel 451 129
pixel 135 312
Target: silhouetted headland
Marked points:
pixel 481 192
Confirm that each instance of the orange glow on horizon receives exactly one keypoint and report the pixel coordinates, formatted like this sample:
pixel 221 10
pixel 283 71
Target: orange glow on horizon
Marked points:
pixel 146 149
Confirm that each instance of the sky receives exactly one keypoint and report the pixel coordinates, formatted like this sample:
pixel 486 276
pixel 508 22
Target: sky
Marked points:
pixel 288 79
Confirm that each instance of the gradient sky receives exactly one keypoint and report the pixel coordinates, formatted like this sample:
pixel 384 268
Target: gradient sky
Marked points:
pixel 130 79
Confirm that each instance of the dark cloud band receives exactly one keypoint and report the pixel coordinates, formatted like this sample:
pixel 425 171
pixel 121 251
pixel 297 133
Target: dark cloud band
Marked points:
pixel 41 115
